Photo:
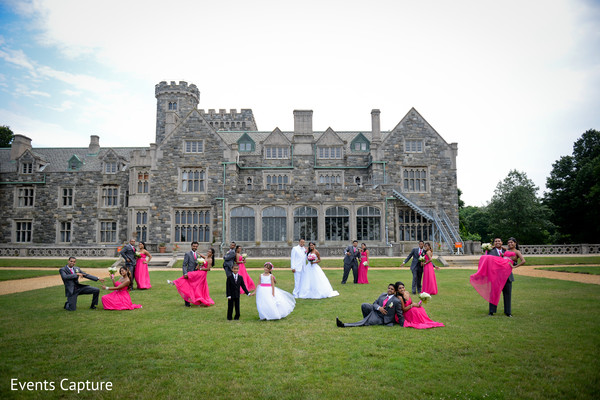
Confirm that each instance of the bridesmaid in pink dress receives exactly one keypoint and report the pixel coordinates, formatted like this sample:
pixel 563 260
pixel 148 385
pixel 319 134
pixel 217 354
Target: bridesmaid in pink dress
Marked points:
pixel 414 315
pixel 142 276
pixel 119 299
pixel 363 268
pixel 239 260
pixel 429 282
pixel 194 289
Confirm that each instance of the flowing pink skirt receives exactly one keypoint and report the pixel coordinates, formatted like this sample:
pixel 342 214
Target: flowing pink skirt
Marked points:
pixel 491 276
pixel 362 272
pixel 194 289
pixel 118 300
pixel 142 276
pixel 247 280
pixel 429 282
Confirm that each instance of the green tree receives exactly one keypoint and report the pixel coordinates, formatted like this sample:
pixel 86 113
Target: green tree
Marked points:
pixel 475 223
pixel 6 136
pixel 515 210
pixel 574 192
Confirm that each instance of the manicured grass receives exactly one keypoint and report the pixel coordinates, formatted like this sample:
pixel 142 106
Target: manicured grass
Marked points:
pixel 548 350
pixel 577 270
pixel 9 275
pixel 55 262
pixel 574 260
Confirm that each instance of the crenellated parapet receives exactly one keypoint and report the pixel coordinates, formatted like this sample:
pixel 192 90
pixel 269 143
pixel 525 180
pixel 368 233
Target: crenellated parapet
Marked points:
pixel 177 88
pixel 232 120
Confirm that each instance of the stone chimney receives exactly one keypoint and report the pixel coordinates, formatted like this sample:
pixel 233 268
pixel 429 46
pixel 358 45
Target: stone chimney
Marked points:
pixel 19 144
pixel 94 146
pixel 303 133
pixel 375 126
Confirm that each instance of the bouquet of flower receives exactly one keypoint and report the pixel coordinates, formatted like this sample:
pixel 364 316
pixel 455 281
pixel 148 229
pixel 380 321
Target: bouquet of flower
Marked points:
pixel 486 247
pixel 244 255
pixel 112 271
pixel 312 257
pixel 201 261
pixel 366 264
pixel 421 259
pixel 424 296
pixel 138 254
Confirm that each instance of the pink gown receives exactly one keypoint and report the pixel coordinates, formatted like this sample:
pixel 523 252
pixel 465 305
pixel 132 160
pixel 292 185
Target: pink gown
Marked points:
pixel 247 280
pixel 142 277
pixel 118 300
pixel 363 269
pixel 194 289
pixel 429 282
pixel 491 276
pixel 417 318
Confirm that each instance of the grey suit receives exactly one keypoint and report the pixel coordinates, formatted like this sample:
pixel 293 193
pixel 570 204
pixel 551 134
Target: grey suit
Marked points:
pixel 228 261
pixel 372 315
pixel 73 288
pixel 506 290
pixel 128 253
pixel 416 268
pixel 351 263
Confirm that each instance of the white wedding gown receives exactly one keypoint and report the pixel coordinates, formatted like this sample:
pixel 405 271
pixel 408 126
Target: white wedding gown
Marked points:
pixel 269 307
pixel 314 284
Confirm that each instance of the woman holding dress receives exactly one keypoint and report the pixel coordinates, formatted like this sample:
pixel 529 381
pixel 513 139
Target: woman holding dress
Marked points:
pixel 272 302
pixel 414 315
pixel 240 261
pixel 429 281
pixel 119 299
pixel 314 284
pixel 363 268
pixel 194 289
pixel 142 276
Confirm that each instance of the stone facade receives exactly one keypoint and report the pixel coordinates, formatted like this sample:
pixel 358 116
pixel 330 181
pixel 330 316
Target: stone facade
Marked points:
pixel 213 177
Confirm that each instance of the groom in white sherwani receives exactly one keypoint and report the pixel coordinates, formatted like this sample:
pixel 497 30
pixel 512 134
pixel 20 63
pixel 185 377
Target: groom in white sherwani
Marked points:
pixel 298 262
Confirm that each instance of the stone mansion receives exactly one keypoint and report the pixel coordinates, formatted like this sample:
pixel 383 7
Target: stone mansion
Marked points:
pixel 212 176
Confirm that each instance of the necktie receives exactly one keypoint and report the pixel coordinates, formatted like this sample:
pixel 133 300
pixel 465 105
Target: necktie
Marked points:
pixel 235 278
pixel 195 256
pixel 385 301
pixel 72 270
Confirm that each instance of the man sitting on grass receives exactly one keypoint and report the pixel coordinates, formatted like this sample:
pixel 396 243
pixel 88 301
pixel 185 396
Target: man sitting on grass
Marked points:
pixel 381 312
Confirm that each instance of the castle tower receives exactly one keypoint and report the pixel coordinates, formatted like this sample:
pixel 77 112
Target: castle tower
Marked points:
pixel 173 101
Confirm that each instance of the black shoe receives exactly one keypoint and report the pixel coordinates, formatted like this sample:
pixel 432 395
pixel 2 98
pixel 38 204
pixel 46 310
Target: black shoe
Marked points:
pixel 508 315
pixel 490 314
pixel 188 305
pixel 93 308
pixel 339 323
pixel 414 292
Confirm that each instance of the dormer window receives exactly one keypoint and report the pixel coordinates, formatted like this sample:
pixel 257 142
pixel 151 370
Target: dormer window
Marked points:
pixel 330 152
pixel 74 163
pixel 360 143
pixel 110 167
pixel 27 168
pixel 245 144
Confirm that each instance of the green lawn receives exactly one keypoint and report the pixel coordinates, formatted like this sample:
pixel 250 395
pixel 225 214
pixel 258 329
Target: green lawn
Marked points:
pixel 550 349
pixel 22 274
pixel 557 260
pixel 55 262
pixel 577 270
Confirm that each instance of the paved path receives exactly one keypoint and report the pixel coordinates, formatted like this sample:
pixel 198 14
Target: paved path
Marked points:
pixel 23 285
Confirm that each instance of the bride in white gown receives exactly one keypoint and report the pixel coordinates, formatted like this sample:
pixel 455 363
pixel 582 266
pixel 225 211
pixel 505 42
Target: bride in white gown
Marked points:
pixel 314 284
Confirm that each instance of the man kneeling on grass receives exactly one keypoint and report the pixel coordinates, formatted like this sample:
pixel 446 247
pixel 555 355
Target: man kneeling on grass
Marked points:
pixel 381 312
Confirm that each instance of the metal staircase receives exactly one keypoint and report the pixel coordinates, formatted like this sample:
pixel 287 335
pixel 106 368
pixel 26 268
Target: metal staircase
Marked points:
pixel 443 231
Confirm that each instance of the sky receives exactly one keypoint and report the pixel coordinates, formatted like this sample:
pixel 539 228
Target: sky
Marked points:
pixel 514 83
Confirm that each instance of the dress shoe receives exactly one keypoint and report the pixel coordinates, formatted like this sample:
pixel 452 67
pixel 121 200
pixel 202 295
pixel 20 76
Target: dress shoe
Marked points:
pixel 414 292
pixel 490 314
pixel 339 323
pixel 508 315
pixel 93 308
pixel 188 305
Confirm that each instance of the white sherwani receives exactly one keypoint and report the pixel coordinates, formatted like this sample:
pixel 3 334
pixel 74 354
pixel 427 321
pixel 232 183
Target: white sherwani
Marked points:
pixel 298 262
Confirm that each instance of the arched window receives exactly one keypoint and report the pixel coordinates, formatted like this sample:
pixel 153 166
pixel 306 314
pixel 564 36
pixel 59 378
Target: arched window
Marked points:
pixel 242 224
pixel 368 223
pixel 337 224
pixel 305 223
pixel 274 224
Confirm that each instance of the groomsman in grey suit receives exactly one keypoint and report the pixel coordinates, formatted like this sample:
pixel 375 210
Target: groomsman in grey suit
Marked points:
pixel 351 262
pixel 381 312
pixel 128 253
pixel 507 289
pixel 228 259
pixel 70 275
pixel 190 263
pixel 416 267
